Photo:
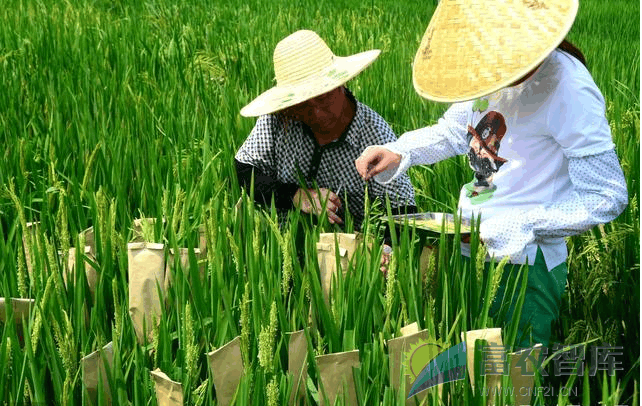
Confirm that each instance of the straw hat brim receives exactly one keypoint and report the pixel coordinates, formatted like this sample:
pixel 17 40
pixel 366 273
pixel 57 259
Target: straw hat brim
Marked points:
pixel 342 70
pixel 473 48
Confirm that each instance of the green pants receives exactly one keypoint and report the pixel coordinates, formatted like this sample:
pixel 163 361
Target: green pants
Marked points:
pixel 541 304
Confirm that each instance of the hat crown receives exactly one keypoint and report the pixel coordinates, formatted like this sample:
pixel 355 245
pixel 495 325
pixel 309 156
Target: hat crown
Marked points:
pixel 305 68
pixel 300 56
pixel 473 48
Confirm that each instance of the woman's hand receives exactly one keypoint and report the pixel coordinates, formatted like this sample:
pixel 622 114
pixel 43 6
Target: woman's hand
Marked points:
pixel 309 201
pixel 375 160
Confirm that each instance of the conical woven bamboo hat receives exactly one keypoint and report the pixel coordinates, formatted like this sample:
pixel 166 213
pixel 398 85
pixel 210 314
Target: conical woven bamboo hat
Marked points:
pixel 305 67
pixel 475 47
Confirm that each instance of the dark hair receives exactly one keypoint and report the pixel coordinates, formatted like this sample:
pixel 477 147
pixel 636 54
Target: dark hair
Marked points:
pixel 573 50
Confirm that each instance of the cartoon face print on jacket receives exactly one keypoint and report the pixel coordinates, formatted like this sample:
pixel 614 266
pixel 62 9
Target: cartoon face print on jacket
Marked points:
pixel 485 141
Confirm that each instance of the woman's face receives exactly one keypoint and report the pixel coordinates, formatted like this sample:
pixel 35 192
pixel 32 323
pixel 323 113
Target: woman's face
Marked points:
pixel 320 113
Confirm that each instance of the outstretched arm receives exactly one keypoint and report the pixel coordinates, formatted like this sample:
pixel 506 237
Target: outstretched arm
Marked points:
pixel 426 145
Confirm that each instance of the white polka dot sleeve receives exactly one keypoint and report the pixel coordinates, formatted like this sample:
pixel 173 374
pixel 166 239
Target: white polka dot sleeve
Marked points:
pixel 599 196
pixel 430 144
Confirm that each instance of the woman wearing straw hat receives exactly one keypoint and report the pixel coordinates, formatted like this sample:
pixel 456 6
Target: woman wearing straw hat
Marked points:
pixel 553 172
pixel 310 130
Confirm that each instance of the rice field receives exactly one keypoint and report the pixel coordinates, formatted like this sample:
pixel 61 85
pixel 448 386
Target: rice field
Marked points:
pixel 117 110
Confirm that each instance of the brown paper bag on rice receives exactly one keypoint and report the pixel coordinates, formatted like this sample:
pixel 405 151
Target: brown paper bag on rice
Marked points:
pixel 297 364
pixel 90 272
pixel 327 256
pixel 94 371
pixel 523 382
pixel 202 246
pixel 226 365
pixel 202 240
pixel 493 361
pixel 90 239
pixel 397 348
pixel 410 329
pixel 146 274
pixel 184 264
pixel 335 371
pixel 426 252
pixel 168 392
pixel 21 308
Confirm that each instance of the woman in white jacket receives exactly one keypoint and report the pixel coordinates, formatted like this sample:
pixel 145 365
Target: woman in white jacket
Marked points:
pixel 532 121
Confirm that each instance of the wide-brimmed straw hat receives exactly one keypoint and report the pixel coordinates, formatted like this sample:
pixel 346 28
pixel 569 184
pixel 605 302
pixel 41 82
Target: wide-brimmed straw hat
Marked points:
pixel 305 67
pixel 475 47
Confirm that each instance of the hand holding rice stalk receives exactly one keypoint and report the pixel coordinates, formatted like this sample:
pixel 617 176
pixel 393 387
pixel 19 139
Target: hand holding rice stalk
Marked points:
pixel 312 201
pixel 376 159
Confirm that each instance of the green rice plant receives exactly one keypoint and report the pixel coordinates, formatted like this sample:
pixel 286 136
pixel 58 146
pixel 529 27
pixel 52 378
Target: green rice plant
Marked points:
pixel 120 110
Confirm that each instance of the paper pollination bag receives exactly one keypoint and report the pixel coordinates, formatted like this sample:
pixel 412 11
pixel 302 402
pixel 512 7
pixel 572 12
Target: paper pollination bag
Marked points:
pixel 327 256
pixel 494 361
pixel 202 240
pixel 426 252
pixel 89 251
pixel 168 392
pixel 297 365
pixel 522 373
pixel 146 268
pixel 520 366
pixel 398 349
pixel 183 254
pixel 337 379
pixel 89 238
pixel 202 246
pixel 90 272
pixel 94 373
pixel 226 365
pixel 21 308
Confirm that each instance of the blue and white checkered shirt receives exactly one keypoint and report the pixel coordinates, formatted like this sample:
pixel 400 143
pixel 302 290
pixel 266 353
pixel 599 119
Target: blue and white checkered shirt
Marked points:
pixel 287 155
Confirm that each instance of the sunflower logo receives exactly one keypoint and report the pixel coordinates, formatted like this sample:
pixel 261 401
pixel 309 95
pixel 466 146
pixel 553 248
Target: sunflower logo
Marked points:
pixel 419 354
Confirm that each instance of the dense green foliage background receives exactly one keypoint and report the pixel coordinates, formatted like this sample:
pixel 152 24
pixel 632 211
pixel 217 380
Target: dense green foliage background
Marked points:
pixel 115 110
